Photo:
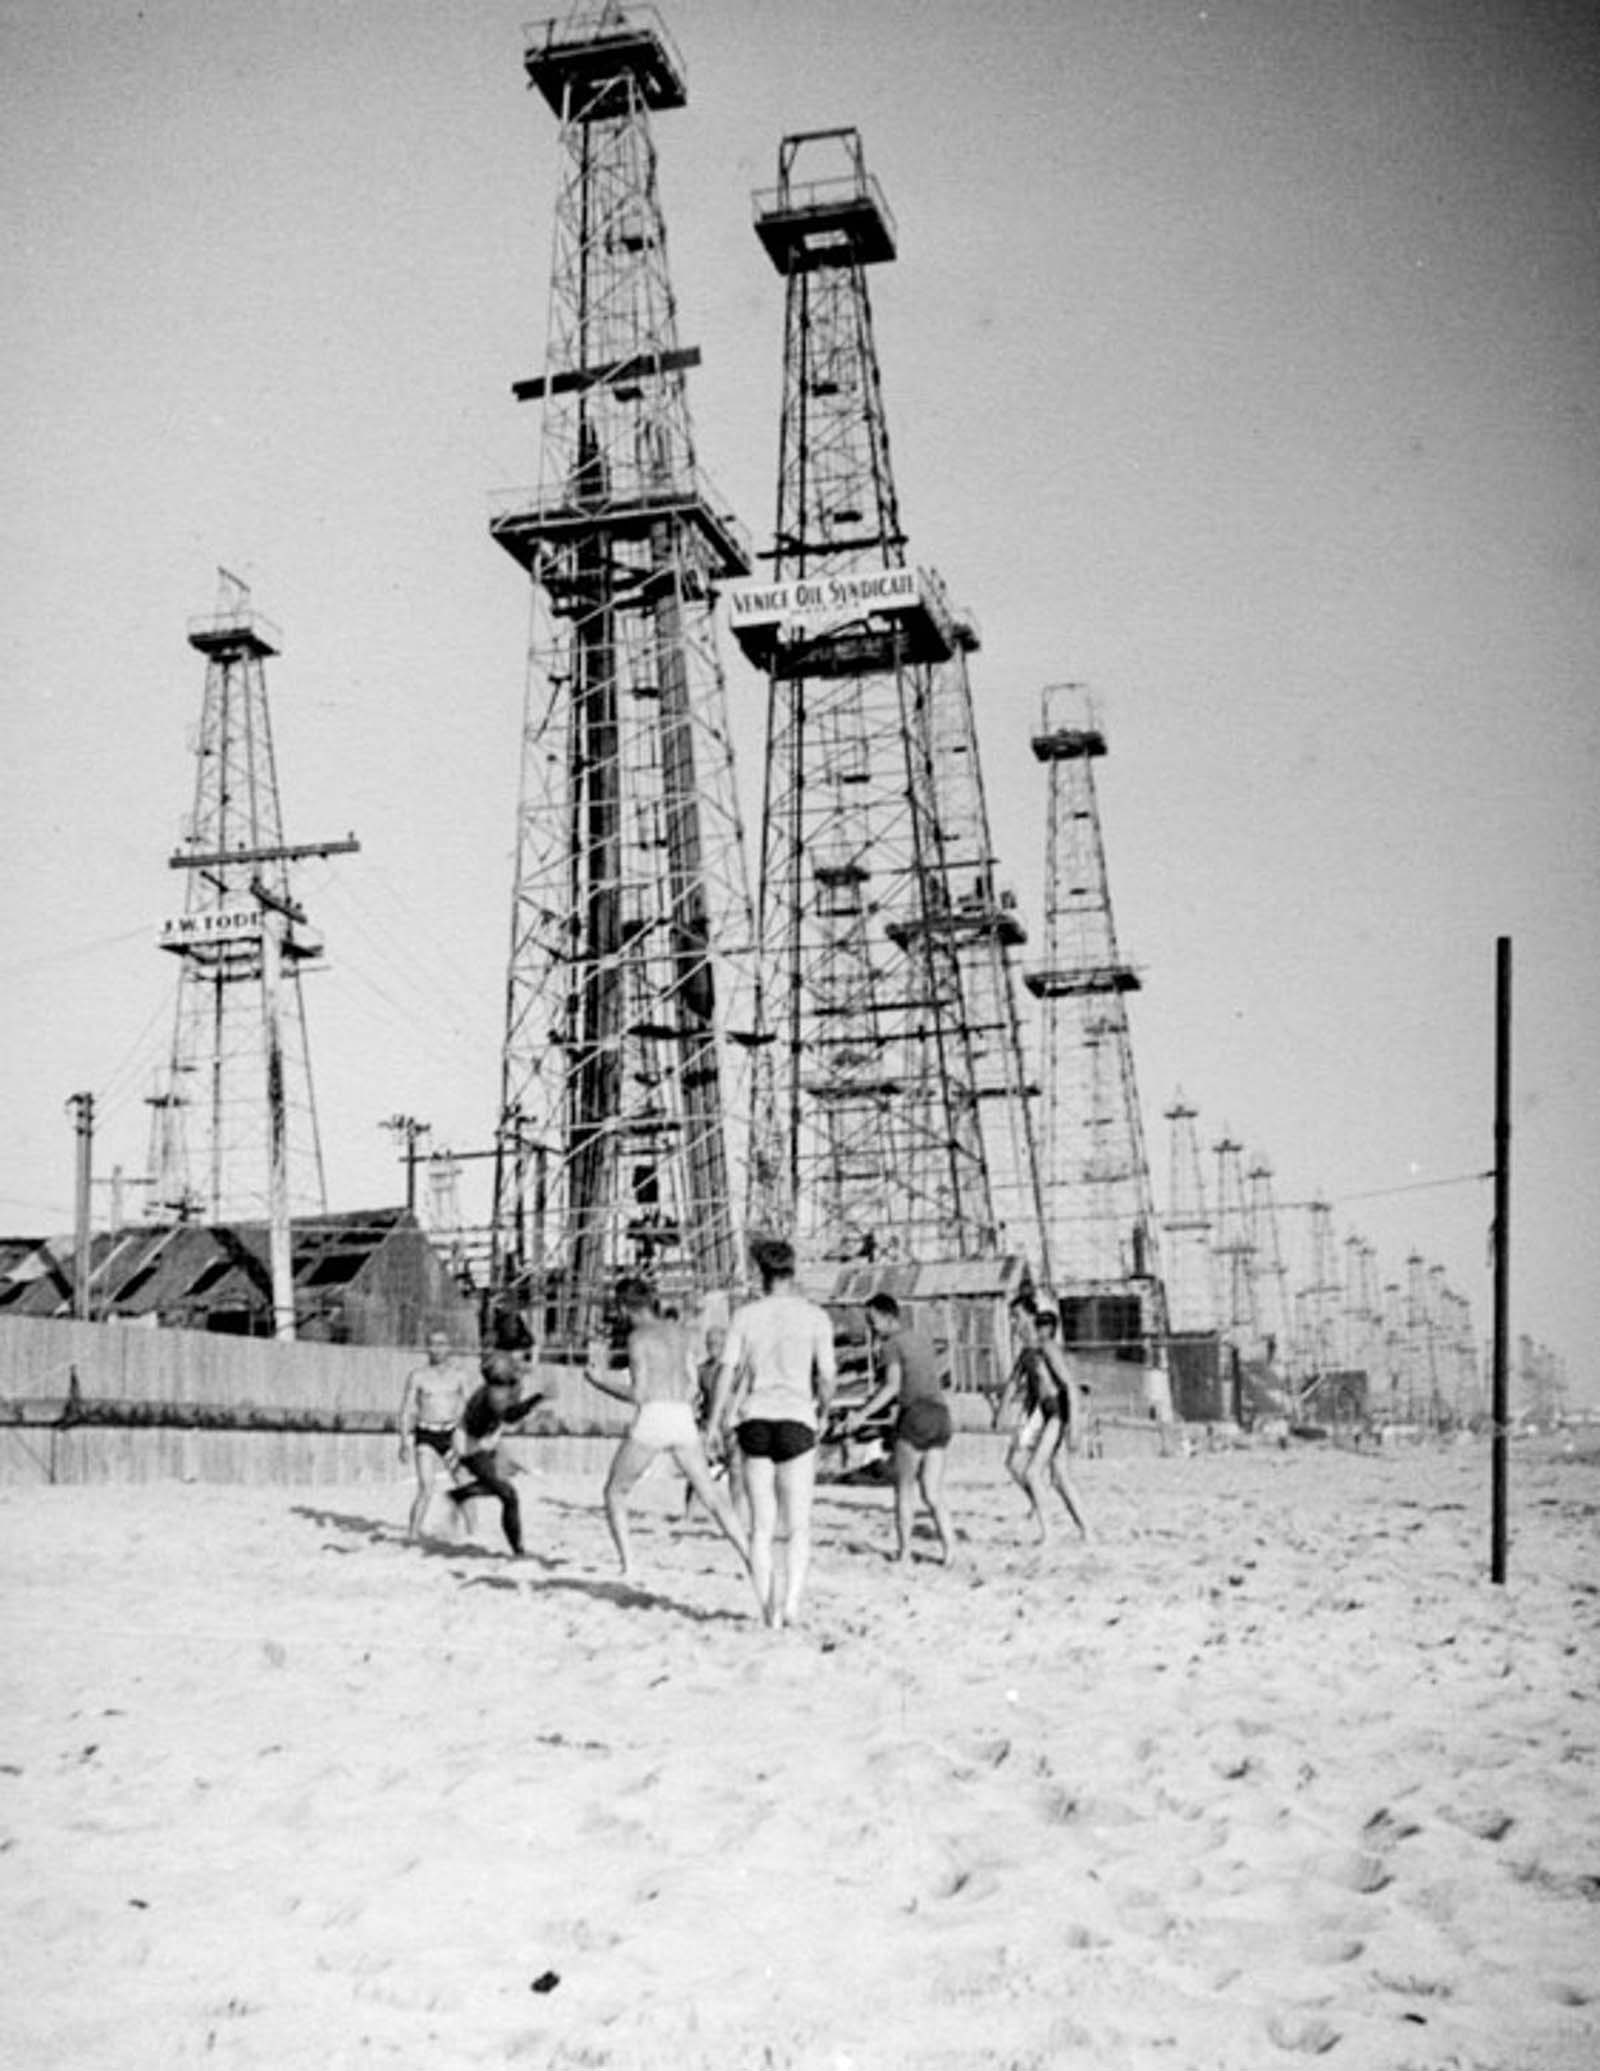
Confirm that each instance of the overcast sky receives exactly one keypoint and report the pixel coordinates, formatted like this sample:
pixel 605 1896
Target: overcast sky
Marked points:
pixel 1240 359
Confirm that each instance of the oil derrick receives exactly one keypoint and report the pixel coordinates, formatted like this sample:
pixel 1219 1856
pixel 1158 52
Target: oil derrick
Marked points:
pixel 1469 1381
pixel 1186 1250
pixel 984 928
pixel 1098 1199
pixel 1317 1301
pixel 234 1123
pixel 866 1139
pixel 1271 1273
pixel 630 910
pixel 1362 1318
pixel 1234 1249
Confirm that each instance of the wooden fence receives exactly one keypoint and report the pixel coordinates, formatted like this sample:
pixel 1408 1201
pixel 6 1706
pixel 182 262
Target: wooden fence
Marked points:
pixel 104 1402
pixel 94 1402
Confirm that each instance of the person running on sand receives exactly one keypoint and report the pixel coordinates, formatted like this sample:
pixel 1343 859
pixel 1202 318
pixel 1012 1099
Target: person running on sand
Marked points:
pixel 922 1428
pixel 661 1385
pixel 780 1349
pixel 431 1403
pixel 1042 1385
pixel 490 1410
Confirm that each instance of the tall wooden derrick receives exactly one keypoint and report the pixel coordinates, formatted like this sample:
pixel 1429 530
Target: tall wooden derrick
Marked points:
pixel 234 1121
pixel 866 1137
pixel 630 909
pixel 1186 1227
pixel 1098 1199
pixel 1233 1246
pixel 1274 1305
pixel 984 927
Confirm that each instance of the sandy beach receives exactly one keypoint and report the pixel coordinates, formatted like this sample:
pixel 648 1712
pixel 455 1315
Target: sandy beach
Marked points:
pixel 1271 1772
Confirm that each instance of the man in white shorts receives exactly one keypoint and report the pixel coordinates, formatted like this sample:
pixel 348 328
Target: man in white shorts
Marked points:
pixel 663 1375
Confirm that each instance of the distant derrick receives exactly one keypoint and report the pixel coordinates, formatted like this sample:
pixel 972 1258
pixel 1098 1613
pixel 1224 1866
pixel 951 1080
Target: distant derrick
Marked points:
pixel 1273 1307
pixel 984 927
pixel 630 914
pixel 1234 1245
pixel 1186 1227
pixel 1098 1200
pixel 228 1087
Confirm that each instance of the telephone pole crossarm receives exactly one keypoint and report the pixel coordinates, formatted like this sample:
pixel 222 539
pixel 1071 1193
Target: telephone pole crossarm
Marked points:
pixel 184 860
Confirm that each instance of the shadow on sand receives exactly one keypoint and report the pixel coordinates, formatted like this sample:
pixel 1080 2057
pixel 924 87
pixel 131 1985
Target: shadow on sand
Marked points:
pixel 627 1596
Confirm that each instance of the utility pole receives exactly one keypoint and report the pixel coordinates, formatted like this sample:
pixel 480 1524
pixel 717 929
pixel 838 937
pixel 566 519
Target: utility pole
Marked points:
pixel 1502 1234
pixel 82 1107
pixel 410 1129
pixel 279 1242
pixel 117 1187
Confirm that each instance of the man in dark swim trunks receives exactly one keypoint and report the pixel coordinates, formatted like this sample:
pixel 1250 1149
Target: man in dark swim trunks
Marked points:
pixel 430 1408
pixel 489 1411
pixel 922 1428
pixel 774 1385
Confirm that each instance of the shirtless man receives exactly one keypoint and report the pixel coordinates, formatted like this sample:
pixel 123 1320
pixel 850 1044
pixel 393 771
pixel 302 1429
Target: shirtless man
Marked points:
pixel 784 1344
pixel 430 1408
pixel 661 1383
pixel 922 1428
pixel 1042 1384
pixel 489 1410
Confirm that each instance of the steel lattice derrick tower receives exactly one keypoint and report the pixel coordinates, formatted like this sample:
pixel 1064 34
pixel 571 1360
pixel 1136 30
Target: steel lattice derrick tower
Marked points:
pixel 1274 1311
pixel 630 909
pixel 1098 1198
pixel 1362 1317
pixel 984 927
pixel 1186 1227
pixel 1234 1248
pixel 1317 1301
pixel 866 1137
pixel 240 1067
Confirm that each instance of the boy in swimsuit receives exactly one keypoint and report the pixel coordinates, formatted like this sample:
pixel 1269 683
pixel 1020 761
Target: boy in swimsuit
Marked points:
pixel 489 1411
pixel 785 1345
pixel 922 1429
pixel 431 1403
pixel 1042 1384
pixel 661 1383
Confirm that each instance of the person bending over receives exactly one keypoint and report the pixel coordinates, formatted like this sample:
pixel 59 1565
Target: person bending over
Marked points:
pixel 781 1348
pixel 922 1429
pixel 492 1409
pixel 661 1383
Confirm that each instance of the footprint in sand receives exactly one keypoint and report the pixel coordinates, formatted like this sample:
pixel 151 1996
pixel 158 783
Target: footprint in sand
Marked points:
pixel 1358 1871
pixel 1307 2036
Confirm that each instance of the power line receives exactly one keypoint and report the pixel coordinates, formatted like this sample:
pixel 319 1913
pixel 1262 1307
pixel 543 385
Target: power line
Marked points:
pixel 1419 1186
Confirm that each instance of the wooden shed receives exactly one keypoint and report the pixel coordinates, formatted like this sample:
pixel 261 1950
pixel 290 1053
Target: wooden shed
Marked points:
pixel 363 1278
